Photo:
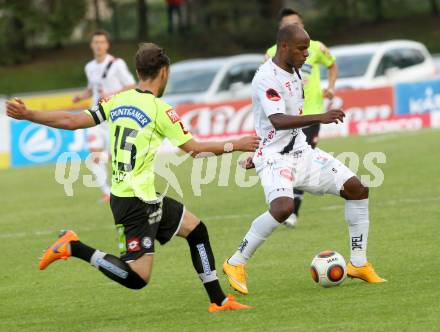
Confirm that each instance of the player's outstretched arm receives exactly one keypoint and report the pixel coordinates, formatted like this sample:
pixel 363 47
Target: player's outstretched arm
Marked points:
pixel 87 93
pixel 282 121
pixel 57 119
pixel 200 149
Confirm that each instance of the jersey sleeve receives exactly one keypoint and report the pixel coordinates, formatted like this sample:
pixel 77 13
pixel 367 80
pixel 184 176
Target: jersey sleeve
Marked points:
pixel 269 95
pixel 100 112
pixel 89 82
pixel 124 75
pixel 170 126
pixel 324 56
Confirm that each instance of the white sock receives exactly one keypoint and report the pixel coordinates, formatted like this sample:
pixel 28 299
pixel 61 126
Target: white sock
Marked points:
pixel 99 170
pixel 260 229
pixel 356 215
pixel 97 255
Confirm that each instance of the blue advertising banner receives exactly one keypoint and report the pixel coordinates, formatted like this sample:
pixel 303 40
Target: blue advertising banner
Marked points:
pixel 417 97
pixel 34 144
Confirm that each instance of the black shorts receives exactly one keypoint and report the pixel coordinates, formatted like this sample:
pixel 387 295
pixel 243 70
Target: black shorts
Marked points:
pixel 312 133
pixel 139 224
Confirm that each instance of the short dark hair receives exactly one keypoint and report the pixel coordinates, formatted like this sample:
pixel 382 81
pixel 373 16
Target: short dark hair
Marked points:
pixel 150 59
pixel 289 33
pixel 287 12
pixel 101 33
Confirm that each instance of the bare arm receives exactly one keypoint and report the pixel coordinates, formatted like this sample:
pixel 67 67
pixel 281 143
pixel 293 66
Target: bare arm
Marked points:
pixel 200 149
pixel 282 121
pixel 86 94
pixel 332 76
pixel 57 119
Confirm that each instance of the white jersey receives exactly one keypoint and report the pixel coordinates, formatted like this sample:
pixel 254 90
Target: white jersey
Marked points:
pixel 108 77
pixel 274 90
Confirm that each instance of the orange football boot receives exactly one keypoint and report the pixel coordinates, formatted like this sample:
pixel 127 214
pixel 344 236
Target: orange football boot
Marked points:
pixel 237 276
pixel 231 304
pixel 59 250
pixel 366 273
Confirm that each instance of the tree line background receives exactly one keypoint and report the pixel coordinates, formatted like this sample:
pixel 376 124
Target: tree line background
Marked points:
pixel 209 27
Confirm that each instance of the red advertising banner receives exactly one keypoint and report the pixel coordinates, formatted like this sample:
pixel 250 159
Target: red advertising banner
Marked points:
pixel 369 111
pixel 366 104
pixel 218 120
pixel 394 124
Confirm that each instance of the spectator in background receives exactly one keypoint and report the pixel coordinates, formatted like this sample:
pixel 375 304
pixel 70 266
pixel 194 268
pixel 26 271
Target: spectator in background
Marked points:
pixel 174 8
pixel 106 76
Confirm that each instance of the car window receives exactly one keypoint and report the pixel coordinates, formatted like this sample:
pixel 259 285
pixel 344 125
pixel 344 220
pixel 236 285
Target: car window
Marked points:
pixel 389 60
pixel 410 57
pixel 239 73
pixel 350 65
pixel 190 81
pixel 399 58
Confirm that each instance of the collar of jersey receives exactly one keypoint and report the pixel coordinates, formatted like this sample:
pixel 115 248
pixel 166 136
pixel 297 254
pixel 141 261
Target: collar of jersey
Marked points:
pixel 281 70
pixel 107 58
pixel 144 91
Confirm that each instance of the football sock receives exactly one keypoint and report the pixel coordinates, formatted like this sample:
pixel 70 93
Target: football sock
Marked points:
pixel 260 229
pixel 99 170
pixel 297 200
pixel 356 215
pixel 111 266
pixel 204 263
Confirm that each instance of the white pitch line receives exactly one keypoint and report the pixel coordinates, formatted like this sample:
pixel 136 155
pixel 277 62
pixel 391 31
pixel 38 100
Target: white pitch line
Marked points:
pixel 247 217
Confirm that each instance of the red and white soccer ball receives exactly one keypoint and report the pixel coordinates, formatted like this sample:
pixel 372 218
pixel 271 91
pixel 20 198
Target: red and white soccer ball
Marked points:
pixel 328 268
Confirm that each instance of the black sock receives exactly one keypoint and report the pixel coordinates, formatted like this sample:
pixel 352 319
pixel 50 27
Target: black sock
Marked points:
pixel 118 270
pixel 81 250
pixel 215 292
pixel 111 266
pixel 297 200
pixel 204 262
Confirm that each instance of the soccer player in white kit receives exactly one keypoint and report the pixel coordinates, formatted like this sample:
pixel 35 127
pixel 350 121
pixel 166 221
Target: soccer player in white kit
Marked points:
pixel 285 161
pixel 106 76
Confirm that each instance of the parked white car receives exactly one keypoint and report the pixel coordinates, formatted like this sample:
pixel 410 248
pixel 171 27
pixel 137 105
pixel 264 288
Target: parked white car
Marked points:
pixel 212 80
pixel 379 64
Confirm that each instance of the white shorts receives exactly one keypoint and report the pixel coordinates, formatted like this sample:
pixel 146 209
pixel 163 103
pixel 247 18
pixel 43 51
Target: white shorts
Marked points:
pixel 98 137
pixel 310 170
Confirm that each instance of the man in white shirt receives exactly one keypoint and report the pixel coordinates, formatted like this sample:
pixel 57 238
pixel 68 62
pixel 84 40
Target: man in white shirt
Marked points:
pixel 106 76
pixel 284 160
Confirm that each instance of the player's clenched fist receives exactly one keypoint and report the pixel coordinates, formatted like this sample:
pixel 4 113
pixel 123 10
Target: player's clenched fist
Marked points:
pixel 247 143
pixel 332 116
pixel 17 109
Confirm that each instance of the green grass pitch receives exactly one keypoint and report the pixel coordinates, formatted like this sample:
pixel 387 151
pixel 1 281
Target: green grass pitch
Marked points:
pixel 72 296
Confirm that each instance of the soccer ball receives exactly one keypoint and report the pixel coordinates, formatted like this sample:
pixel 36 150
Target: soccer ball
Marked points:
pixel 328 268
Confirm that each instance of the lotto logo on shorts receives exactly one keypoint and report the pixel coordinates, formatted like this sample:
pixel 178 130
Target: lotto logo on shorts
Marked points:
pixel 174 117
pixel 133 244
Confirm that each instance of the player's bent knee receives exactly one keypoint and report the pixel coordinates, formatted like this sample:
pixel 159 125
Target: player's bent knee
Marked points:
pixel 137 283
pixel 360 193
pixel 189 223
pixel 353 189
pixel 124 273
pixel 141 271
pixel 365 192
pixel 281 208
